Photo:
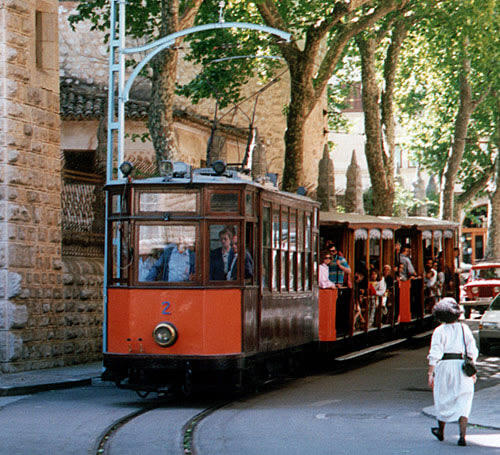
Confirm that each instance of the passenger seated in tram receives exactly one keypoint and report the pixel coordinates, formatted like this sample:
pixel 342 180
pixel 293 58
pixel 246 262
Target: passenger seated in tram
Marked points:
pixel 146 262
pixel 323 280
pixel 176 263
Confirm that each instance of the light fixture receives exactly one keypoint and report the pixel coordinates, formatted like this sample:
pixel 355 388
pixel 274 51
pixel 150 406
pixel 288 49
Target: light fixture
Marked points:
pixel 166 168
pixel 219 167
pixel 126 168
pixel 165 334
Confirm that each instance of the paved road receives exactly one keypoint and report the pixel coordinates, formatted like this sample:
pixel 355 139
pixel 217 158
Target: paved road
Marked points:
pixel 366 408
pixel 373 409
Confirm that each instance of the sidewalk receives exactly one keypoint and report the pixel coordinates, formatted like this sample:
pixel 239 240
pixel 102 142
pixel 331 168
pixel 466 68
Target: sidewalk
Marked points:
pixel 485 408
pixel 28 382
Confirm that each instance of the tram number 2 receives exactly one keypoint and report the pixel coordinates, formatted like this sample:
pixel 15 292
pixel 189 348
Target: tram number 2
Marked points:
pixel 166 307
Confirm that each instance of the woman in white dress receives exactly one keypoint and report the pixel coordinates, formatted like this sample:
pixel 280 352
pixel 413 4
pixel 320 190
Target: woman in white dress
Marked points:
pixel 453 391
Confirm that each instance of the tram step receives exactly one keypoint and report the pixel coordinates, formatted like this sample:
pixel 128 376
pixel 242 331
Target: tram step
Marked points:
pixel 422 335
pixel 378 347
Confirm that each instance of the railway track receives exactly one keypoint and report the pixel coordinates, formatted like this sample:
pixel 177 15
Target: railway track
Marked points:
pixel 103 444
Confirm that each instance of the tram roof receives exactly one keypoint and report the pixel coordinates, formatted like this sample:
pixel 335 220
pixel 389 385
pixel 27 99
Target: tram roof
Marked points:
pixel 356 220
pixel 369 221
pixel 207 177
pixel 424 222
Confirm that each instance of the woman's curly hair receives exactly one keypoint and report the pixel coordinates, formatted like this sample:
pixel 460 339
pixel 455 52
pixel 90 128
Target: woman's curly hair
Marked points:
pixel 447 310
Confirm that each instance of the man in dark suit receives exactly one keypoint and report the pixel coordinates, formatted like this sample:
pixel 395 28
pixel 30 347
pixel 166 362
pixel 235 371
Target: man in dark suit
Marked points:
pixel 221 258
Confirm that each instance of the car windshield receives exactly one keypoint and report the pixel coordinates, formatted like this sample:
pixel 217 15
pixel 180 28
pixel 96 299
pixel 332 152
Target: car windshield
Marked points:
pixel 486 273
pixel 495 305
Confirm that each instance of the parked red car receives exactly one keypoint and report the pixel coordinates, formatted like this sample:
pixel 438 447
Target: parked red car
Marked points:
pixel 482 285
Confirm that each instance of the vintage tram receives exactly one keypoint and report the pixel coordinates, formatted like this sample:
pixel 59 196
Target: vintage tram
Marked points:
pixel 213 277
pixel 209 275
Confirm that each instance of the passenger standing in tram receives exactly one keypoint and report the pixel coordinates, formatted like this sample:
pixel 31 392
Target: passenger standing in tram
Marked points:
pixel 221 258
pixel 338 267
pixel 453 390
pixel 376 290
pixel 323 280
pixel 360 290
pixel 407 270
pixel 389 298
pixel 176 263
pixel 397 261
pixel 233 269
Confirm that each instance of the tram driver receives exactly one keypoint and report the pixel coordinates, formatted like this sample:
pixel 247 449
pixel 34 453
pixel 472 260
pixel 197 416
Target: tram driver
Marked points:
pixel 176 263
pixel 223 257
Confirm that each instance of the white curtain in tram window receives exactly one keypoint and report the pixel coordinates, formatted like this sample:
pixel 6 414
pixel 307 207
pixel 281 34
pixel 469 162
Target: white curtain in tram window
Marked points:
pixel 387 234
pixel 374 233
pixel 360 234
pixel 448 234
pixel 438 234
pixel 426 235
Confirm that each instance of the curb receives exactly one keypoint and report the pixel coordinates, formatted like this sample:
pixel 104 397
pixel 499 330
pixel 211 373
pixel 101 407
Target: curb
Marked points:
pixel 429 412
pixel 7 391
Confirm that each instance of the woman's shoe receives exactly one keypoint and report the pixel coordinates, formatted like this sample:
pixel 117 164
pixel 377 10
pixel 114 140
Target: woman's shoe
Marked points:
pixel 461 442
pixel 435 431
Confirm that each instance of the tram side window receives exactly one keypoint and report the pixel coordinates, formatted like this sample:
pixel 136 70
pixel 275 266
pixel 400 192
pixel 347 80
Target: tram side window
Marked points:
pixel 223 252
pixel 300 253
pixel 293 249
pixel 121 250
pixel 266 245
pixel 285 262
pixel 308 258
pixel 250 254
pixel 167 253
pixel 276 280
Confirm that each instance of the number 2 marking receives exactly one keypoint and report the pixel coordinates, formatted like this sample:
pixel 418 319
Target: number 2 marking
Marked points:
pixel 166 308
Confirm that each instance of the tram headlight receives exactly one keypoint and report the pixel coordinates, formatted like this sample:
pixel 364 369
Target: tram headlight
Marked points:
pixel 165 334
pixel 166 168
pixel 475 290
pixel 219 167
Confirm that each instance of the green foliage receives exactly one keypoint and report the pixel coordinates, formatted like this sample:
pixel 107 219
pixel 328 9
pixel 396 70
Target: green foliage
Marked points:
pixel 429 84
pixel 249 49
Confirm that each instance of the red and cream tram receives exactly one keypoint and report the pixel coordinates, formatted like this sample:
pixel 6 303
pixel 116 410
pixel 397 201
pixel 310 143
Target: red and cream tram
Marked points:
pixel 212 276
pixel 208 273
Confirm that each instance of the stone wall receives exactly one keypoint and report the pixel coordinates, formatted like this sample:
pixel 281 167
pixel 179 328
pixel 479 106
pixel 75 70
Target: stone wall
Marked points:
pixel 83 315
pixel 33 320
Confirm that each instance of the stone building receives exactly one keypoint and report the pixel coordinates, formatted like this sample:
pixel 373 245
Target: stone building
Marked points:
pixel 52 99
pixel 41 325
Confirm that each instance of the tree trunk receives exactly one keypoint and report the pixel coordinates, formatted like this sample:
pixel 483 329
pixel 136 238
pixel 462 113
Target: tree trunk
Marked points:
pixel 465 111
pixel 298 112
pixel 383 194
pixel 160 117
pixel 493 237
pixel 400 31
pixel 164 76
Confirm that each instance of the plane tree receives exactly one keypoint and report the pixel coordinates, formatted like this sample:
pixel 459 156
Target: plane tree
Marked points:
pixel 446 95
pixel 321 31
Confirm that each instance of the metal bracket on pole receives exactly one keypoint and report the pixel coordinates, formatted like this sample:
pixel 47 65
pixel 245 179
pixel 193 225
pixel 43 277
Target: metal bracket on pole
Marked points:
pixel 116 75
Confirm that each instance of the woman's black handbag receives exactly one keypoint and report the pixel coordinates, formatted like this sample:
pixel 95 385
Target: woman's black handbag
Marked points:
pixel 468 365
